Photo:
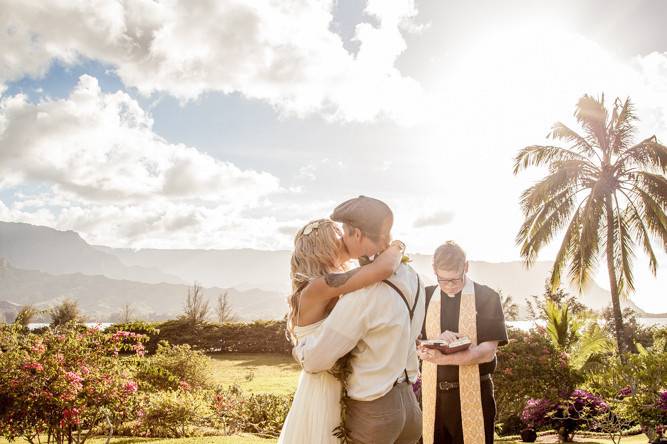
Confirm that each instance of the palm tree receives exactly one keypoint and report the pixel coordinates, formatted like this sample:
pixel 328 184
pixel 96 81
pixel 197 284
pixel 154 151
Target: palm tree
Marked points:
pixel 607 191
pixel 510 309
pixel 577 334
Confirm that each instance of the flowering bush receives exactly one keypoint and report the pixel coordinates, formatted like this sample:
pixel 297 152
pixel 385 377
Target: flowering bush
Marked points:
pixel 64 382
pixel 639 387
pixel 566 415
pixel 536 412
pixel 580 408
pixel 530 367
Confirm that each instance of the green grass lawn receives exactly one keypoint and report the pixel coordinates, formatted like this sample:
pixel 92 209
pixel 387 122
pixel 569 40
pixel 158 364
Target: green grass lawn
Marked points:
pixel 273 373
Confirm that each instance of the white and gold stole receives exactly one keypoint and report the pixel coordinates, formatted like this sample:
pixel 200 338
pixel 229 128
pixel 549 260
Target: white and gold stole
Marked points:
pixel 469 384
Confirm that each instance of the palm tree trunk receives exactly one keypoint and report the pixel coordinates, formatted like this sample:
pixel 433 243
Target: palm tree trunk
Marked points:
pixel 613 283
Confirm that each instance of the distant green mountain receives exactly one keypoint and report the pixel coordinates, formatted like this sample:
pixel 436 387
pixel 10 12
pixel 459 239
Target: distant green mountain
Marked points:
pixel 102 298
pixel 155 280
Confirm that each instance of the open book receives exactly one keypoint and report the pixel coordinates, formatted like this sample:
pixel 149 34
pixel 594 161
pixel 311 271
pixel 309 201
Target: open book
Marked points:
pixel 463 343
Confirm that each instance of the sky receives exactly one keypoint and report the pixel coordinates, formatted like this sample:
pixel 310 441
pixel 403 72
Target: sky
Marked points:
pixel 230 124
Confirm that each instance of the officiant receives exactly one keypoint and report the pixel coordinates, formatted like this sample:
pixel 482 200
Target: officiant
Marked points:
pixel 457 389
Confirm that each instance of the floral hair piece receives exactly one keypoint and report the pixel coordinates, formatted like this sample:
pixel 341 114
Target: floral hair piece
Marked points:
pixel 310 227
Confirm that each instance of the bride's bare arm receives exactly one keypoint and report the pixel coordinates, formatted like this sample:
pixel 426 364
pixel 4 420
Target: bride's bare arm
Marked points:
pixel 334 284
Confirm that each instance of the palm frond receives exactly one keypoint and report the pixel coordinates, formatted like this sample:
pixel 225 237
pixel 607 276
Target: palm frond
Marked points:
pixel 566 249
pixel 636 223
pixel 591 342
pixel 537 155
pixel 552 185
pixel 623 253
pixel 648 154
pixel 558 324
pixel 541 227
pixel 584 259
pixel 560 131
pixel 654 185
pixel 622 125
pixel 654 215
pixel 592 116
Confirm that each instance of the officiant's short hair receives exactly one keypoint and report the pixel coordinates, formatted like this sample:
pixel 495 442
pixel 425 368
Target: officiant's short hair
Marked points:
pixel 449 256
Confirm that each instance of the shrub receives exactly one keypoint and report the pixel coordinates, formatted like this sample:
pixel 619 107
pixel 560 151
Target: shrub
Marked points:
pixel 174 414
pixel 580 408
pixel 638 385
pixel 262 413
pixel 232 337
pixel 174 366
pixel 64 382
pixel 530 367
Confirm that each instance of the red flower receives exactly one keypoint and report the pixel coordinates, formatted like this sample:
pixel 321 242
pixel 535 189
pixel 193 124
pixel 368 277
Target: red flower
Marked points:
pixel 131 387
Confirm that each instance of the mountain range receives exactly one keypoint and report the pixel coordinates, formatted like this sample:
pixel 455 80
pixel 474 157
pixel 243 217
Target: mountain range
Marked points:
pixel 42 266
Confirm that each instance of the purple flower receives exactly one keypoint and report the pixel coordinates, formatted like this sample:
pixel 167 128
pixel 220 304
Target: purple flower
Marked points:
pixel 581 401
pixel 535 412
pixel 662 400
pixel 625 391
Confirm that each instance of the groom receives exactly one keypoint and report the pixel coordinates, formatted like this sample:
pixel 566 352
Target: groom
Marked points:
pixel 379 324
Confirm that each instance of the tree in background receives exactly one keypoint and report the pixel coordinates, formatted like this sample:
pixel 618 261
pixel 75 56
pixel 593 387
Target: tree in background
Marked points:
pixel 196 306
pixel 606 191
pixel 510 309
pixel 223 309
pixel 67 311
pixel 537 306
pixel 26 315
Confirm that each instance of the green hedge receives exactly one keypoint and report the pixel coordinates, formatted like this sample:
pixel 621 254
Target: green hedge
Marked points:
pixel 233 337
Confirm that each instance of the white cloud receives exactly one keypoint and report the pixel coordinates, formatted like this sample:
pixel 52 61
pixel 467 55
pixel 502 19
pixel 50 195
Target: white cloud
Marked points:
pixel 280 52
pixel 434 219
pixel 101 147
pixel 110 177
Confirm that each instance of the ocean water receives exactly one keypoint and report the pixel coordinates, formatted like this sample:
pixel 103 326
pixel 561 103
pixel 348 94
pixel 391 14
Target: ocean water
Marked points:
pixel 528 324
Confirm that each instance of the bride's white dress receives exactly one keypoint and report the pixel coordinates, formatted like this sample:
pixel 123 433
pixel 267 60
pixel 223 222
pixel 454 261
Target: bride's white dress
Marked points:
pixel 315 411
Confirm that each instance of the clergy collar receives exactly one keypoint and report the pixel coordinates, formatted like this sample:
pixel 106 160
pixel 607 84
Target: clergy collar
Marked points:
pixel 468 288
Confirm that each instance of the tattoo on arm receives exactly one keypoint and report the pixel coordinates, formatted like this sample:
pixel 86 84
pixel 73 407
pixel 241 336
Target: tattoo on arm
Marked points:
pixel 336 280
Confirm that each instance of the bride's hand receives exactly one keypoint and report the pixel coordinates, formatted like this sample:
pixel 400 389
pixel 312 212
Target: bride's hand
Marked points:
pixel 392 256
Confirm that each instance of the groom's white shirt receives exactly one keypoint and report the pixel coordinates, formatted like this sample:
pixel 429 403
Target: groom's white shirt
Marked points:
pixel 374 323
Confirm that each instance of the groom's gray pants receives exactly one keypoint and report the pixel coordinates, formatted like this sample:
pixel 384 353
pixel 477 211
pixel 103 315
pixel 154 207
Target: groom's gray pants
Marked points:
pixel 394 418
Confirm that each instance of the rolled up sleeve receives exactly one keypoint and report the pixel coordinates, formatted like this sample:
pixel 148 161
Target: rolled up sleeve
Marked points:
pixel 340 333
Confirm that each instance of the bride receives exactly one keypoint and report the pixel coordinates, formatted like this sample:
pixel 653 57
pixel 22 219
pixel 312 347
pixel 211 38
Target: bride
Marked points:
pixel 320 276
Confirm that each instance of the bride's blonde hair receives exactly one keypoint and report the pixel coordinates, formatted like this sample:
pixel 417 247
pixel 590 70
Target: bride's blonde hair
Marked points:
pixel 317 251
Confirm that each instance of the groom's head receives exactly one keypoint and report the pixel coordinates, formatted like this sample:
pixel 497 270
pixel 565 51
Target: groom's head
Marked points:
pixel 367 225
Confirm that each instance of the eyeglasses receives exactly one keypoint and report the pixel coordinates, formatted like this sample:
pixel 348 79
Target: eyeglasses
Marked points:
pixel 454 281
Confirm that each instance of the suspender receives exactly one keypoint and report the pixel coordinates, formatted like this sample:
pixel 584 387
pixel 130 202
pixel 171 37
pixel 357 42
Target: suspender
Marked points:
pixel 411 310
pixel 429 294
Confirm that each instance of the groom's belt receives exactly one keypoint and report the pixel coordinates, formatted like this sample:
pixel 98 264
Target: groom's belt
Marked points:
pixel 446 385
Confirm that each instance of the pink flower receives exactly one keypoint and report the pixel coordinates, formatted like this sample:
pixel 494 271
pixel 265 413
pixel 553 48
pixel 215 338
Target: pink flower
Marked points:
pixel 36 366
pixel 139 349
pixel 131 387
pixel 84 370
pixel 73 378
pixel 183 385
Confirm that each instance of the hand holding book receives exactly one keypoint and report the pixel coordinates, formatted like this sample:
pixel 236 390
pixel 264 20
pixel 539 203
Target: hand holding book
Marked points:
pixel 447 347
